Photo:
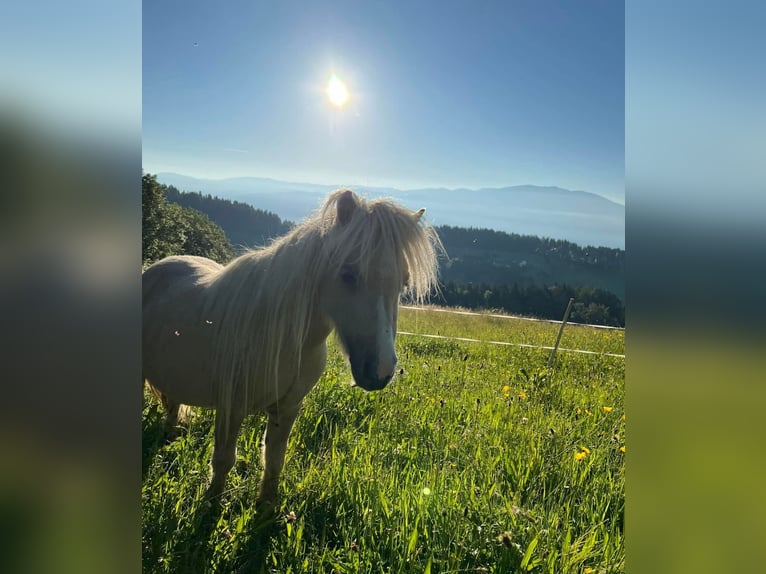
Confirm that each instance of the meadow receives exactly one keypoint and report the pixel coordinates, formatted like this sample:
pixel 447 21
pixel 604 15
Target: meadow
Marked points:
pixel 476 458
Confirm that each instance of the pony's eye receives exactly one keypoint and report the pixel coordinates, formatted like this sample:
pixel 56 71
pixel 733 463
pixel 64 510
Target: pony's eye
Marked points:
pixel 348 277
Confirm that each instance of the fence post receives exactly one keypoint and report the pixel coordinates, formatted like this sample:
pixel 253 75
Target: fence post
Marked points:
pixel 561 330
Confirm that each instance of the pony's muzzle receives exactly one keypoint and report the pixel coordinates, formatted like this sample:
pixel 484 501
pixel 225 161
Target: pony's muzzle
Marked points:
pixel 373 376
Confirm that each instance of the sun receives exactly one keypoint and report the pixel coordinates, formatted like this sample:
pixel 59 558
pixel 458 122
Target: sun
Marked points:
pixel 337 92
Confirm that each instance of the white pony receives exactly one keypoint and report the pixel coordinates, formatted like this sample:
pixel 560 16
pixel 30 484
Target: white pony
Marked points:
pixel 251 336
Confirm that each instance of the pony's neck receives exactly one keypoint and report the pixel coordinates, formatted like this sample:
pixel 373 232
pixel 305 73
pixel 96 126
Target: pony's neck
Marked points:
pixel 319 328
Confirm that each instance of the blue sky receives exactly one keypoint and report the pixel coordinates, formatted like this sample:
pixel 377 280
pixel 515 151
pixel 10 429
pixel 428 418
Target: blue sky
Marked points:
pixel 443 94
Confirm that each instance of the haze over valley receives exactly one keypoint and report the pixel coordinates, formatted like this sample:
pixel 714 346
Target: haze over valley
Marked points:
pixel 577 216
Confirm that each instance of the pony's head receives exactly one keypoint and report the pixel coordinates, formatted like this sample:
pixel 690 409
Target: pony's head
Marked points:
pixel 375 251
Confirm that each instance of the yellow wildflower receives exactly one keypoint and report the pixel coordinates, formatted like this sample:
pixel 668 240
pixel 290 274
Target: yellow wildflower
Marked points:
pixel 608 409
pixel 622 449
pixel 584 452
pixel 522 395
pixel 506 389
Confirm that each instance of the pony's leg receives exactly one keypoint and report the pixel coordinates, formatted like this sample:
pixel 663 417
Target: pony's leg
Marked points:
pixel 224 450
pixel 274 447
pixel 171 415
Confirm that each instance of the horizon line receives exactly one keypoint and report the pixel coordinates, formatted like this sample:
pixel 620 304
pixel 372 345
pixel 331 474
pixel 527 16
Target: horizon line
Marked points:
pixel 392 187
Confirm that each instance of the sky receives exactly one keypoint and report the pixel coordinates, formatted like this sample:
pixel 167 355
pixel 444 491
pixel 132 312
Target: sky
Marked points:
pixel 441 94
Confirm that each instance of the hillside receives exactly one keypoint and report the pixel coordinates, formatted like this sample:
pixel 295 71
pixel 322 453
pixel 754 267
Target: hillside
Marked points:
pixel 485 268
pixel 476 458
pixel 496 258
pixel 245 226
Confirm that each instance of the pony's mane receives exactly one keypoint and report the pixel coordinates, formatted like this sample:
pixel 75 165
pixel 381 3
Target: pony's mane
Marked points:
pixel 261 304
pixel 386 235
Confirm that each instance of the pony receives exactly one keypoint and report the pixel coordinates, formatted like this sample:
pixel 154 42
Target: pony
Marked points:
pixel 250 337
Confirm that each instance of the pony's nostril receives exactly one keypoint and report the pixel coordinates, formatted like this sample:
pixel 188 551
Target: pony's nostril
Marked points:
pixel 386 368
pixel 374 379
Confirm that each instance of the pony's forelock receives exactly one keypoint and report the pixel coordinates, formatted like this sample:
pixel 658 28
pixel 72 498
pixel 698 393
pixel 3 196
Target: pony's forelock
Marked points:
pixel 383 236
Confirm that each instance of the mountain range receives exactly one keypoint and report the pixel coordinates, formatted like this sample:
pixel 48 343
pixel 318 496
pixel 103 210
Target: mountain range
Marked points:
pixel 577 216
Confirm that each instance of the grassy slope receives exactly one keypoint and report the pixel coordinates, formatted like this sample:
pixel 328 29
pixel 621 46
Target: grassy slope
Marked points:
pixel 466 462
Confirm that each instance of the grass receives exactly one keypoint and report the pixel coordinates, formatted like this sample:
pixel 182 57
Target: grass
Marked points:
pixel 477 458
pixel 512 330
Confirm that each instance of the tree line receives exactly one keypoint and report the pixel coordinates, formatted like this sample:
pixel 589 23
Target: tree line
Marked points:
pixel 594 306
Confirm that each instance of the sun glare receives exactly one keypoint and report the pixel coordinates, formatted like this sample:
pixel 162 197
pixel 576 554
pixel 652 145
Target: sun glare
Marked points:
pixel 337 92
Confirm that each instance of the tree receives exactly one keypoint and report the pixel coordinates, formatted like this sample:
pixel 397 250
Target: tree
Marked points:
pixel 202 236
pixel 160 235
pixel 168 229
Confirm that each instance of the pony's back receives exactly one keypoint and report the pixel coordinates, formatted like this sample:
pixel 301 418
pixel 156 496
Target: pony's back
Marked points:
pixel 167 272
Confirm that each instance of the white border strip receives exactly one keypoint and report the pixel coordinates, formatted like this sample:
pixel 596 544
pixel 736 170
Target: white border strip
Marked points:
pixel 507 344
pixel 438 310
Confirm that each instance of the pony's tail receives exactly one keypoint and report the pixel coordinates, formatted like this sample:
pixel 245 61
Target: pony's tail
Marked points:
pixel 184 411
pixel 157 394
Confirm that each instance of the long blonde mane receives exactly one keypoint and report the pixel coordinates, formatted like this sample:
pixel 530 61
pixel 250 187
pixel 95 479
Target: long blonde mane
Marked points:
pixel 261 304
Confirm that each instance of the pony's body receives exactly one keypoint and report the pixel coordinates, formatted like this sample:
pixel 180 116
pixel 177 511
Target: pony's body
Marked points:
pixel 178 355
pixel 251 337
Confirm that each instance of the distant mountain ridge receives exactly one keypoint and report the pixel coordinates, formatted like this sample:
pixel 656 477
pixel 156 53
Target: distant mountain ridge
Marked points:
pixel 581 217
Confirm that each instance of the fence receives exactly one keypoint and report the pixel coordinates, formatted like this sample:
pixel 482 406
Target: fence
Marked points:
pixel 497 316
pixel 506 343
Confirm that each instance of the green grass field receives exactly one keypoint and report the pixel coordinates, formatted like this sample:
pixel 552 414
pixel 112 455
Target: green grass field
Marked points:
pixel 476 458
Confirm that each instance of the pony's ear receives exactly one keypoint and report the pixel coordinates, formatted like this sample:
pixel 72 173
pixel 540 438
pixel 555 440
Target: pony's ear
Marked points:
pixel 346 206
pixel 419 213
